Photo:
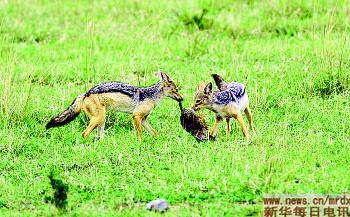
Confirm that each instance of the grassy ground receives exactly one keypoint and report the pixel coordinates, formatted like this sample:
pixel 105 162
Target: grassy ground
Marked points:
pixel 293 57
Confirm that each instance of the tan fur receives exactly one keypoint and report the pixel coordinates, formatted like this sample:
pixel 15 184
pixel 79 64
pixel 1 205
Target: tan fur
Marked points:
pixel 231 110
pixel 96 105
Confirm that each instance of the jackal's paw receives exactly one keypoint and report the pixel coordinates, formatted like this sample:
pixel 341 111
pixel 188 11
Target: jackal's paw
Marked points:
pixel 98 138
pixel 212 138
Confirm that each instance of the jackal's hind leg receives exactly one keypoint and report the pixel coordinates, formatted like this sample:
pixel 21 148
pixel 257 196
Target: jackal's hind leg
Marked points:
pixel 228 128
pixel 97 117
pixel 248 113
pixel 94 122
pixel 240 120
pixel 101 129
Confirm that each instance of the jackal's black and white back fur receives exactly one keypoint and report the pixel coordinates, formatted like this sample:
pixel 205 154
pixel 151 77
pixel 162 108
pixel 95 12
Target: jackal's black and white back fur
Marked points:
pixel 227 102
pixel 232 92
pixel 120 97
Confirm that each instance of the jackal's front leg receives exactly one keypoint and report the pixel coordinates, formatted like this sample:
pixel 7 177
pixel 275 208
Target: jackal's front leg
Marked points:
pixel 137 123
pixel 148 128
pixel 214 131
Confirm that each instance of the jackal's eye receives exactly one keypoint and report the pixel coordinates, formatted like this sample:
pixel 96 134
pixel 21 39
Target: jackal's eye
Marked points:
pixel 198 101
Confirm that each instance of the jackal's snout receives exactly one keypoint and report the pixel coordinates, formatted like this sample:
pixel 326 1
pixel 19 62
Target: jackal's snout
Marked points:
pixel 173 92
pixel 195 107
pixel 203 94
pixel 178 97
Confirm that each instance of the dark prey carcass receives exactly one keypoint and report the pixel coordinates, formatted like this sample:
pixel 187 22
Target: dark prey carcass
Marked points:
pixel 193 123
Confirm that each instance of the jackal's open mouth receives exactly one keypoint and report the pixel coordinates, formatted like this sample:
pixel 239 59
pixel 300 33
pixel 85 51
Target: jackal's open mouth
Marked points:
pixel 178 98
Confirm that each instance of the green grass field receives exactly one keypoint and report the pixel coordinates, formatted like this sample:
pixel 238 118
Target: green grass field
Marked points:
pixel 293 57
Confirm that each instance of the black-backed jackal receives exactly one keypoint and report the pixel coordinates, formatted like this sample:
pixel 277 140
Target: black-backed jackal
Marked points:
pixel 226 103
pixel 120 97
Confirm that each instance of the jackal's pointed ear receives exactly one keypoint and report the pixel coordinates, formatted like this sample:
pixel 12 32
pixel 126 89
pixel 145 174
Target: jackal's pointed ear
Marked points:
pixel 208 89
pixel 200 87
pixel 164 76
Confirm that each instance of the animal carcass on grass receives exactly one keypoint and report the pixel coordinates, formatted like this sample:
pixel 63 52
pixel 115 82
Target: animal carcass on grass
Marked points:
pixel 193 123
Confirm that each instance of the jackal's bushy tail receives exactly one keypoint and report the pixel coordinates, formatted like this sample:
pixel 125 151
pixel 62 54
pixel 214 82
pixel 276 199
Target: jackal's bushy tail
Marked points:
pixel 68 115
pixel 219 81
